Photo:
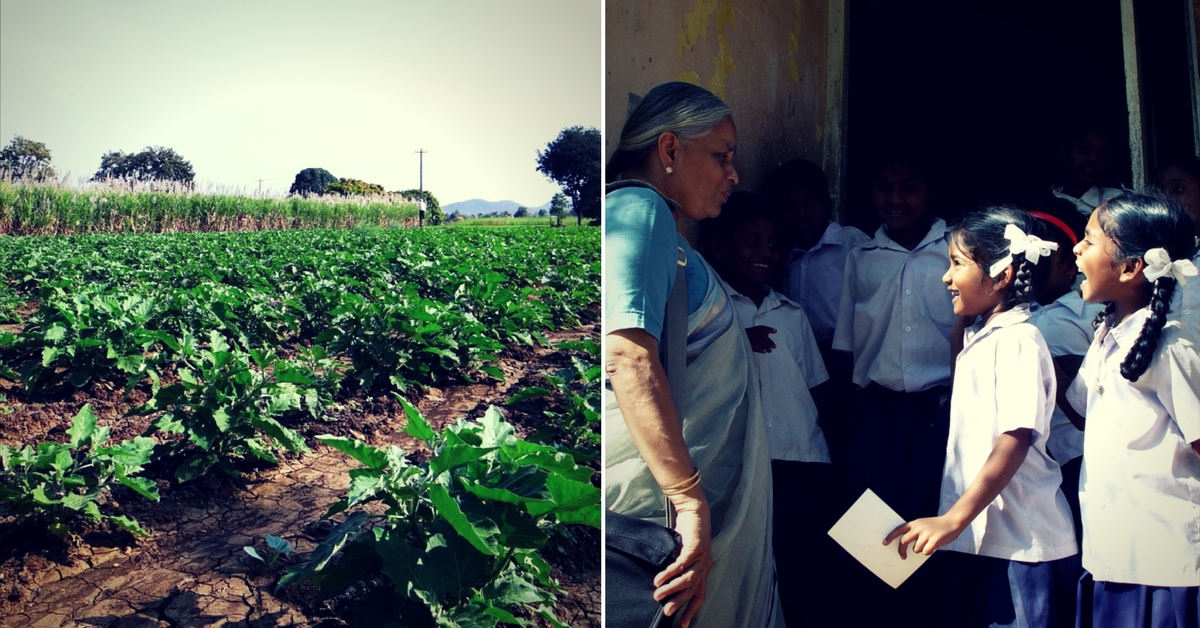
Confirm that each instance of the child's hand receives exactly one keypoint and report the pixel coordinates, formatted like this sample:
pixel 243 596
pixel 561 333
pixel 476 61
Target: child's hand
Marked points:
pixel 930 534
pixel 760 338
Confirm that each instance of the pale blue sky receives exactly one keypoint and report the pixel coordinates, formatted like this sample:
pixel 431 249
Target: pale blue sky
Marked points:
pixel 250 90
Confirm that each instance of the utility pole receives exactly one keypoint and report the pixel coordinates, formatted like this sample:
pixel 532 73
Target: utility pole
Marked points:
pixel 421 188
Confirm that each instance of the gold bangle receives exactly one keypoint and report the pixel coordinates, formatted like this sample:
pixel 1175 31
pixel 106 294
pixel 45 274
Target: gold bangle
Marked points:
pixel 684 486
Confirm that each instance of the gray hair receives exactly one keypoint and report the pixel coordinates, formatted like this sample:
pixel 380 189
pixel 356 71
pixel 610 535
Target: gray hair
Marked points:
pixel 681 108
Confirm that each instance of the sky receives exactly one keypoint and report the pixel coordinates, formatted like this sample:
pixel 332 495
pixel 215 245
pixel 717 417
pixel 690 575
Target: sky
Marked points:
pixel 261 90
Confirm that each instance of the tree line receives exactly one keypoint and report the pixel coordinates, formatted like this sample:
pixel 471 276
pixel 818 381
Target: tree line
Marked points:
pixel 572 160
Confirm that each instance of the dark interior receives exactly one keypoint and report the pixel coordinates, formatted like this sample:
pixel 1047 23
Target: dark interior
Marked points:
pixel 984 93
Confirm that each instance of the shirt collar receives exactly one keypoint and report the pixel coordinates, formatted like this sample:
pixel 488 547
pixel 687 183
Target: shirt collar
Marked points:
pixel 974 333
pixel 937 230
pixel 832 235
pixel 638 183
pixel 773 300
pixel 1127 332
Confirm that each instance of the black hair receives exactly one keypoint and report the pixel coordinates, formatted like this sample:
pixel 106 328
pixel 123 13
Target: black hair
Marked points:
pixel 981 235
pixel 1189 164
pixel 799 174
pixel 1137 222
pixel 741 209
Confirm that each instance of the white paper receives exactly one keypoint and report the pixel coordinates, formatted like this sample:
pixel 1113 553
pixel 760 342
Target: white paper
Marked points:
pixel 862 531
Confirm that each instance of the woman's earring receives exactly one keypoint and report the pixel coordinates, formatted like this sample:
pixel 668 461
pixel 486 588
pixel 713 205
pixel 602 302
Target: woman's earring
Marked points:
pixel 669 170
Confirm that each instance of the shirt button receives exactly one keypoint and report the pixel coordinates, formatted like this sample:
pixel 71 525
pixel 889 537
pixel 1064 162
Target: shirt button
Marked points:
pixel 768 424
pixel 908 329
pixel 908 291
pixel 908 369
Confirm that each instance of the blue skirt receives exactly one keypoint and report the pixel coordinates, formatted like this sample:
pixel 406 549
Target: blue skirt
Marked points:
pixel 987 592
pixel 1117 605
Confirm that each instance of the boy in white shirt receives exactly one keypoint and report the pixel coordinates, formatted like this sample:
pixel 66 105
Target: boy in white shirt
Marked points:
pixel 812 277
pixel 745 245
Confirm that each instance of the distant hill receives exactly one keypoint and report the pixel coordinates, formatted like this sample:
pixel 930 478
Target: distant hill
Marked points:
pixel 478 206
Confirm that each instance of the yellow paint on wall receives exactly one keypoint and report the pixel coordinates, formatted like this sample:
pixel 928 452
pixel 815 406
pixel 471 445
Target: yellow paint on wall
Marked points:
pixel 689 76
pixel 724 58
pixel 695 24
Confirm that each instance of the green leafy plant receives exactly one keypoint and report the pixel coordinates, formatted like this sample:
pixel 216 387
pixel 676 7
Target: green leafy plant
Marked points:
pixel 82 333
pixel 58 482
pixel 277 547
pixel 457 543
pixel 224 406
pixel 575 415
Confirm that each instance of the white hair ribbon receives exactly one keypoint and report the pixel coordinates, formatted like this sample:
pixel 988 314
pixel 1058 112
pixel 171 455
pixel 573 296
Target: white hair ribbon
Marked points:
pixel 1032 246
pixel 1159 264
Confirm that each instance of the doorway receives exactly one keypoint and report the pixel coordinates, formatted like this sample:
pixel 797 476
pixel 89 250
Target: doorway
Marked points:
pixel 984 93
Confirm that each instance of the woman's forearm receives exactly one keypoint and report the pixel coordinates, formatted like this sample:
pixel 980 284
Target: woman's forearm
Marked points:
pixel 640 386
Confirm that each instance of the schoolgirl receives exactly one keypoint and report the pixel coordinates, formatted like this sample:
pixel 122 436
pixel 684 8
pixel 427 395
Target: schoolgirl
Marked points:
pixel 1139 389
pixel 1013 552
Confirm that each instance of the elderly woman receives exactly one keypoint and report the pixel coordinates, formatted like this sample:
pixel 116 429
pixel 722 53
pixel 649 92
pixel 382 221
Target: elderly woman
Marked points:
pixel 674 162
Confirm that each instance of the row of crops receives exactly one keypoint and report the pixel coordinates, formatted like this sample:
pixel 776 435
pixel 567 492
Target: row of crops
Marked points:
pixel 41 209
pixel 234 336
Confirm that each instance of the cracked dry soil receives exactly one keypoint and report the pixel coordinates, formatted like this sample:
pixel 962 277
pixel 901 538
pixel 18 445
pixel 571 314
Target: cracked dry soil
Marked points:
pixel 193 570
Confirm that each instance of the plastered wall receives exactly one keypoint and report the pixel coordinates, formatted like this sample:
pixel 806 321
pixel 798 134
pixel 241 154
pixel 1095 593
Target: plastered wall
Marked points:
pixel 765 58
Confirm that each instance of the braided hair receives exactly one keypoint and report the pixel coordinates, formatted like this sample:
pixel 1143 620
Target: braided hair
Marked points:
pixel 981 235
pixel 1136 223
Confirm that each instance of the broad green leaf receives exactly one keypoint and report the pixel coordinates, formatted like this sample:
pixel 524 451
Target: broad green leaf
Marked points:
pixel 82 427
pixel 453 455
pixel 74 501
pixel 493 371
pixel 194 467
pixel 363 486
pixel 531 392
pixel 129 524
pixel 574 502
pixel 416 426
pixel 222 419
pixel 481 537
pixel 55 332
pixel 279 545
pixel 510 588
pixel 253 552
pixel 369 456
pixel 143 486
pixel 290 439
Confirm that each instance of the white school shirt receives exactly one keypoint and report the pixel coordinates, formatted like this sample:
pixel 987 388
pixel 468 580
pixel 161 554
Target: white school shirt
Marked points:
pixel 1185 305
pixel 1066 325
pixel 785 375
pixel 813 278
pixel 895 313
pixel 1140 484
pixel 1090 200
pixel 1003 381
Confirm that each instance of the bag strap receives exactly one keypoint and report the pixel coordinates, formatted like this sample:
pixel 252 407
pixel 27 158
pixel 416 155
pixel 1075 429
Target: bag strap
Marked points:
pixel 674 343
pixel 673 350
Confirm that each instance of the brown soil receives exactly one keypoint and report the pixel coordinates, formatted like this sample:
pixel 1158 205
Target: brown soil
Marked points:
pixel 193 570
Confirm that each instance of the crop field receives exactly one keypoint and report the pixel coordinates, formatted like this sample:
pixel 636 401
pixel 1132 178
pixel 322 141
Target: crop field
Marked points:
pixel 54 209
pixel 303 427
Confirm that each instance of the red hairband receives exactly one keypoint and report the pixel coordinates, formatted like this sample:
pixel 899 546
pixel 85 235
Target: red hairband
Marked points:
pixel 1057 223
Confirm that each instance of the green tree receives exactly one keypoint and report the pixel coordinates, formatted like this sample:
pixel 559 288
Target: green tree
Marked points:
pixel 558 207
pixel 521 212
pixel 433 209
pixel 155 163
pixel 26 160
pixel 311 181
pixel 354 187
pixel 572 161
